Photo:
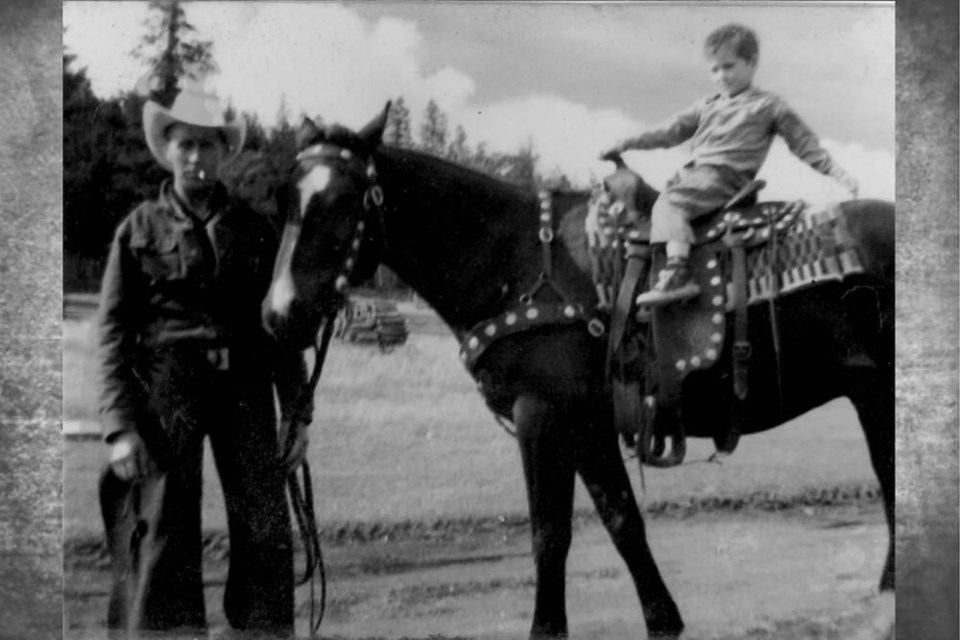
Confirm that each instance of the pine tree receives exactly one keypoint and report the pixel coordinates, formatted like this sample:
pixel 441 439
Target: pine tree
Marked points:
pixel 433 130
pixel 79 111
pixel 520 168
pixel 397 133
pixel 281 144
pixel 459 151
pixel 172 51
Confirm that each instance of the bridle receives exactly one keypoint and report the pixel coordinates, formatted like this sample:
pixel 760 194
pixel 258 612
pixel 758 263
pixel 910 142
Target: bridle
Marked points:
pixel 301 489
pixel 372 205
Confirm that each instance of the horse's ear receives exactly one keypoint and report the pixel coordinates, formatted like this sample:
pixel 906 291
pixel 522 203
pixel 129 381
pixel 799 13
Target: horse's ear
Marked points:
pixel 372 134
pixel 307 133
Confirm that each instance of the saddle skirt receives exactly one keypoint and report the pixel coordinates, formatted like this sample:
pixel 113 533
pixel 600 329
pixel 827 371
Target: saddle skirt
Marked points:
pixel 789 247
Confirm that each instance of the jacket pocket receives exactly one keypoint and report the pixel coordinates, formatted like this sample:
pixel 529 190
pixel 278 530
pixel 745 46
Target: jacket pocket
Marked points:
pixel 160 258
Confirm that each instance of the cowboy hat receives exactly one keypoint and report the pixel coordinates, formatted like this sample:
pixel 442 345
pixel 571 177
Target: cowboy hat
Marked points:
pixel 195 107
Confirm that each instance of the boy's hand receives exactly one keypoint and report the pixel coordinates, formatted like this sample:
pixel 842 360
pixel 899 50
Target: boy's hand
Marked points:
pixel 852 186
pixel 614 151
pixel 849 182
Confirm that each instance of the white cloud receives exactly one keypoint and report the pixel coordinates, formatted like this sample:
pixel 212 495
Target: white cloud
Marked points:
pixel 569 136
pixel 103 41
pixel 332 63
pixel 326 60
pixel 565 134
pixel 788 178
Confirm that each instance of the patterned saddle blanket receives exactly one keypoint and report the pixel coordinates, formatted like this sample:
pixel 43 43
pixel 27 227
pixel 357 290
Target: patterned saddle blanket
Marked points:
pixel 812 247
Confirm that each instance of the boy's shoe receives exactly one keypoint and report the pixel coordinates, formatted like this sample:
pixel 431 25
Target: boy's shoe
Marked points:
pixel 673 284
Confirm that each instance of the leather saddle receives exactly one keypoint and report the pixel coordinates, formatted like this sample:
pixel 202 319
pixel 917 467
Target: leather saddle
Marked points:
pixel 744 253
pixel 675 340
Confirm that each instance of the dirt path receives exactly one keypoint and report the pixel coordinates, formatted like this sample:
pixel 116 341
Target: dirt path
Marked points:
pixel 799 575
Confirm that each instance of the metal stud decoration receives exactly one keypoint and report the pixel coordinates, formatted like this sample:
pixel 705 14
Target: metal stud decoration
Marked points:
pixel 373 197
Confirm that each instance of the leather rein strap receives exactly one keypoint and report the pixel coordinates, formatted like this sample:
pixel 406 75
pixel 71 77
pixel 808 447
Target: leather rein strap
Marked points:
pixel 301 488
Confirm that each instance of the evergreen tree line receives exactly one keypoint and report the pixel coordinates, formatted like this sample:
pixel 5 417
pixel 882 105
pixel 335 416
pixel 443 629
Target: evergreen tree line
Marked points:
pixel 108 170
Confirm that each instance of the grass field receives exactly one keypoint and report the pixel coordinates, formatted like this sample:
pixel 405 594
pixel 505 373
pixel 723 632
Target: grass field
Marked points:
pixel 405 436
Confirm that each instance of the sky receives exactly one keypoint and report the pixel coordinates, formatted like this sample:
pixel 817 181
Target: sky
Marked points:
pixel 570 78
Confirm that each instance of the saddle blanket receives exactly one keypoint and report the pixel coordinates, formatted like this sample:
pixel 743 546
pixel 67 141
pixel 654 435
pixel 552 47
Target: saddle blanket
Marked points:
pixel 813 249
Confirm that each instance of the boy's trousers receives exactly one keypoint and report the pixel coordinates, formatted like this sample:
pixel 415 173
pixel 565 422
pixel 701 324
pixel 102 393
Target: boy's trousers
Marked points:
pixel 694 191
pixel 153 524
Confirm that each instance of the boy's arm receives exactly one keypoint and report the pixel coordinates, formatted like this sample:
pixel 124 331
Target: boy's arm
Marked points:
pixel 804 144
pixel 671 133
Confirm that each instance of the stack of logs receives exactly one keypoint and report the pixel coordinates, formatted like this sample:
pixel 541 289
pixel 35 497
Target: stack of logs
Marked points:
pixel 373 322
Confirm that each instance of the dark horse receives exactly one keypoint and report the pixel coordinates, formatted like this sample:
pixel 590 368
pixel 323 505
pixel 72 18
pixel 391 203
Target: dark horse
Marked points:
pixel 473 248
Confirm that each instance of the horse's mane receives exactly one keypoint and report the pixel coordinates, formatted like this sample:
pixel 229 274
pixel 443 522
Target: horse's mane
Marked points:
pixel 449 169
pixel 452 171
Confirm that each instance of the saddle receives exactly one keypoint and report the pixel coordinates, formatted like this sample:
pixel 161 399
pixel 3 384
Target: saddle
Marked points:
pixel 744 253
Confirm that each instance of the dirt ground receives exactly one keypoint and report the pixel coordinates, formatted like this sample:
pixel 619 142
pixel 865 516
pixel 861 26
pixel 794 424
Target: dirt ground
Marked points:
pixel 803 573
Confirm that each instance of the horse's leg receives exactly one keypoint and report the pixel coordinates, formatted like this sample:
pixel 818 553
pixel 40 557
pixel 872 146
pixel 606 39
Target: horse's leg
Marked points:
pixel 601 467
pixel 547 454
pixel 872 395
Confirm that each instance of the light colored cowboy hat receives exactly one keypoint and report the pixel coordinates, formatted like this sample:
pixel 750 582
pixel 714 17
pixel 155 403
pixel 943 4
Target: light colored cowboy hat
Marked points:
pixel 196 107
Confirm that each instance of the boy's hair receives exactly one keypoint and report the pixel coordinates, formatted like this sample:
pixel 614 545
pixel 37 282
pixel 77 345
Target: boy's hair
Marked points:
pixel 741 39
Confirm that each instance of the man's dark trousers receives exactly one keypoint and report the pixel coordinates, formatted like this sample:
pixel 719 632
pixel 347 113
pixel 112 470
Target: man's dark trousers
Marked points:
pixel 153 525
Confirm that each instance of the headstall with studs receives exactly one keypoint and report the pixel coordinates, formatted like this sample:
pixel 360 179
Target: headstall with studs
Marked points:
pixel 372 201
pixel 529 314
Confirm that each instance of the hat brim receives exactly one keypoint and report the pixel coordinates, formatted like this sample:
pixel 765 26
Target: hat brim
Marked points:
pixel 156 119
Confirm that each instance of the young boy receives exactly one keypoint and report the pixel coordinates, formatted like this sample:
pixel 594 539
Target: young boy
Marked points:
pixel 731 135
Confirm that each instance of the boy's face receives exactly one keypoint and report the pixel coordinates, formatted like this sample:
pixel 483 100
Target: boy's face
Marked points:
pixel 730 72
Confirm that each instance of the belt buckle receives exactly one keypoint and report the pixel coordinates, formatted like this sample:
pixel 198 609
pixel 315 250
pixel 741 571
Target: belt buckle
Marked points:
pixel 219 358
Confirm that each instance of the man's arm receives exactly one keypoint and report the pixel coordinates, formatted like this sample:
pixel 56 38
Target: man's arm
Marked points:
pixel 122 398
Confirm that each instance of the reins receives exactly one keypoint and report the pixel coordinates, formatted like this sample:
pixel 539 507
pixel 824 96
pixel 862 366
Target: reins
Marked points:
pixel 301 488
pixel 301 491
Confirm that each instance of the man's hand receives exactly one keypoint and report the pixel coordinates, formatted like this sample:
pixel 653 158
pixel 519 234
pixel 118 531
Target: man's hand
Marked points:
pixel 129 459
pixel 294 439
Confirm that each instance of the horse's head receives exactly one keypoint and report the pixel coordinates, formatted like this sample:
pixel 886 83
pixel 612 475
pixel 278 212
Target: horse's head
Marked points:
pixel 332 207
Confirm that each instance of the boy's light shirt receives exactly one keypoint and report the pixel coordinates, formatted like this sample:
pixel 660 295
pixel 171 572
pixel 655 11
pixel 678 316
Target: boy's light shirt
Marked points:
pixel 737 132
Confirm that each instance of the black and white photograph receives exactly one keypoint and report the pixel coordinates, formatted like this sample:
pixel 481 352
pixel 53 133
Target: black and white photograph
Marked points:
pixel 497 320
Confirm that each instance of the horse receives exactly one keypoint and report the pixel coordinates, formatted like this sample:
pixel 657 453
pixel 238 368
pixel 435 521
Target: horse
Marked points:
pixel 477 248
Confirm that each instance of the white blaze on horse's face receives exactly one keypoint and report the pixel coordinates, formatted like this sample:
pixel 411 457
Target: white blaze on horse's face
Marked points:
pixel 316 181
pixel 283 291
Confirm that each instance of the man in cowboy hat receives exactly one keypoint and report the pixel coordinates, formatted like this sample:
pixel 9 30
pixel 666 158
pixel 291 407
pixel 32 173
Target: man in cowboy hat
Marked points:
pixel 182 356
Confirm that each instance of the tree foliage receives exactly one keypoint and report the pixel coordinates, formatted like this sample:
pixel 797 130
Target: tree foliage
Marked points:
pixel 433 130
pixel 108 169
pixel 397 132
pixel 172 51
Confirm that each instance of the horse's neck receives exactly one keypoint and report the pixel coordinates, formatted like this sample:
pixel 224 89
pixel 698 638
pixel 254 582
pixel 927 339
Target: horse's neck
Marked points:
pixel 454 236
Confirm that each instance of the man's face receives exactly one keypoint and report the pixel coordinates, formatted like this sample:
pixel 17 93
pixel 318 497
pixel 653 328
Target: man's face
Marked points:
pixel 195 154
pixel 731 73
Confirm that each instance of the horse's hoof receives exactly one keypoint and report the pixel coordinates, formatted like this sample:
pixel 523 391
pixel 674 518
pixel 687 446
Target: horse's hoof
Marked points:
pixel 673 633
